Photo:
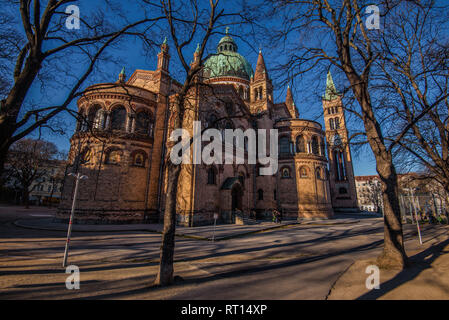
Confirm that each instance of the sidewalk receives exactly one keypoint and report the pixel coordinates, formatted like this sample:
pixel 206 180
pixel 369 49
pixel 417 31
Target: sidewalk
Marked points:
pixel 427 278
pixel 222 231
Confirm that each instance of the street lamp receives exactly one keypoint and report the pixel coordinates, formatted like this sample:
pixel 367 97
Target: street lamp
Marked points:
pixel 78 177
pixel 410 190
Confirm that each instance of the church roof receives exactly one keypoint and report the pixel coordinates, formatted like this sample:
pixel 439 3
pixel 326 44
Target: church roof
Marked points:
pixel 227 61
pixel 261 69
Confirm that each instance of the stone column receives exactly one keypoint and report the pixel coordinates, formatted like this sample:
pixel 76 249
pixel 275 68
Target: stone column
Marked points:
pixel 133 124
pixel 108 120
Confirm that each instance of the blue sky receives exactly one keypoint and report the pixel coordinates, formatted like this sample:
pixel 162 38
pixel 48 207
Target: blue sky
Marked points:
pixel 131 55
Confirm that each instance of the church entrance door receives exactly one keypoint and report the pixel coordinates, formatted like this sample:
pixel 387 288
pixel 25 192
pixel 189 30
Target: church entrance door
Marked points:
pixel 237 196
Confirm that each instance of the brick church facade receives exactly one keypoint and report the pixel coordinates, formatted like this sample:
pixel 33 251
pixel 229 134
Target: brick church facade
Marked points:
pixel 120 143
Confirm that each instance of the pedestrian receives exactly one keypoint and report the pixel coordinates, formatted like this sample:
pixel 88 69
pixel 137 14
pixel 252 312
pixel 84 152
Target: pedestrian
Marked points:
pixel 275 216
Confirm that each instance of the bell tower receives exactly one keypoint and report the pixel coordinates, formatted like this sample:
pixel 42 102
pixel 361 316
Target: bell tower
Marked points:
pixel 341 172
pixel 261 89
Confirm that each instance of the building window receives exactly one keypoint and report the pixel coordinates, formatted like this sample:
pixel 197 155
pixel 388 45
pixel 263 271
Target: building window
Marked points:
pixel 300 144
pixel 260 194
pixel 331 123
pixel 337 123
pixel 315 147
pixel 284 146
pixel 211 176
pixel 285 173
pixel 95 117
pixel 139 160
pixel 143 123
pixel 303 172
pixel 118 118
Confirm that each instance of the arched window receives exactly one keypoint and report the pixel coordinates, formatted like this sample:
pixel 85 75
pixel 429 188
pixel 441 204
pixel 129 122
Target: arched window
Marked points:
pixel 95 117
pixel 260 92
pixel 303 172
pixel 211 176
pixel 337 123
pixel 113 157
pixel 284 145
pixel 143 123
pixel 118 118
pixel 285 172
pixel 331 123
pixel 315 147
pixel 260 194
pixel 300 144
pixel 139 160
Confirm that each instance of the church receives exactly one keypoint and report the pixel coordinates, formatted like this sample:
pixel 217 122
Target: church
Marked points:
pixel 120 143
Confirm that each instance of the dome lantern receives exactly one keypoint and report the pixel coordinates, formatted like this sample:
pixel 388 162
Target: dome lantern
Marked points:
pixel 227 61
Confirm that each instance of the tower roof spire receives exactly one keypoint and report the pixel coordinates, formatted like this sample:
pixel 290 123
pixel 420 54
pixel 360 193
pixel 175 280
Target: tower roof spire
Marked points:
pixel 291 104
pixel 289 97
pixel 331 91
pixel 261 69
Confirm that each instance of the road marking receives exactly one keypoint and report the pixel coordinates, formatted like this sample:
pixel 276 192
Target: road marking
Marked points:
pixel 41 215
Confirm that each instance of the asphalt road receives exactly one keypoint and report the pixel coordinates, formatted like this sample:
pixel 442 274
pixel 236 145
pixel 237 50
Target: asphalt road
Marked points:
pixel 296 262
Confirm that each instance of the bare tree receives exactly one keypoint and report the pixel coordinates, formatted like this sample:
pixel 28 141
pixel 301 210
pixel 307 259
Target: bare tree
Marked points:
pixel 413 82
pixel 38 47
pixel 186 22
pixel 26 164
pixel 318 34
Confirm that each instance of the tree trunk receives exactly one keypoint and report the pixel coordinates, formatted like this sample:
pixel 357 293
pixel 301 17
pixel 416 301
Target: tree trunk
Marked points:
pixel 26 198
pixel 393 255
pixel 165 273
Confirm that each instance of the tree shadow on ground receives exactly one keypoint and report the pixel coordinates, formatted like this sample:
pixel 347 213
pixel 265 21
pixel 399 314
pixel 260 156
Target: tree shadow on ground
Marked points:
pixel 418 263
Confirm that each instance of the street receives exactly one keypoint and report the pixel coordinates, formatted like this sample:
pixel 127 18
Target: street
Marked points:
pixel 300 261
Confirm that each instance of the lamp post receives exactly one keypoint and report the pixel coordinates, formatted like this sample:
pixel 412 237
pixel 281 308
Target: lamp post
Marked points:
pixel 78 177
pixel 416 215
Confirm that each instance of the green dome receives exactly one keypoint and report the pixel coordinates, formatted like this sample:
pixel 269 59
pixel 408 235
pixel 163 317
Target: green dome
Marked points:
pixel 227 62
